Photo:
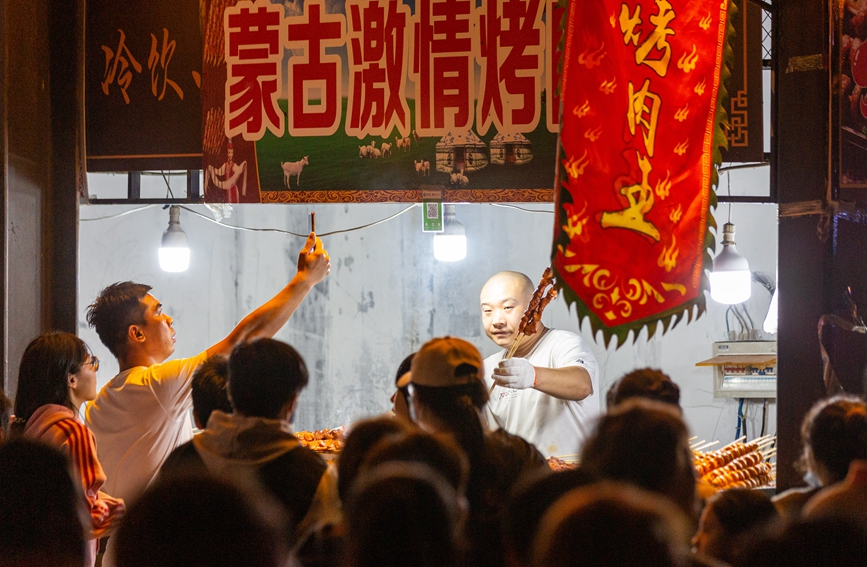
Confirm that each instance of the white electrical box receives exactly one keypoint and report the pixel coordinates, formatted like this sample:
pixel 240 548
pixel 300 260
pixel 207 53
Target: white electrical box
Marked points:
pixel 744 369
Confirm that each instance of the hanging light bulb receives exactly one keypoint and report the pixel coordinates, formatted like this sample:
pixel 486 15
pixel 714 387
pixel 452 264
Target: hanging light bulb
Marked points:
pixel 174 251
pixel 770 324
pixel 730 280
pixel 451 244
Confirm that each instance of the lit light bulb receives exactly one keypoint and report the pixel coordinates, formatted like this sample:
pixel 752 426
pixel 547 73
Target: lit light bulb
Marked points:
pixel 451 244
pixel 174 251
pixel 730 280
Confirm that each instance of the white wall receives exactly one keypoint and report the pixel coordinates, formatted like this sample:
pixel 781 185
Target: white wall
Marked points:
pixel 386 296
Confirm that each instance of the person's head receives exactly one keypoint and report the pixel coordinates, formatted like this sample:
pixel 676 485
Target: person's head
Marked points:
pixel 644 383
pixel 193 521
pixel 56 368
pixel 438 452
pixel 644 443
pixel 129 319
pixel 829 542
pixel 265 378
pixel 729 519
pixel 448 392
pixel 611 524
pixel 504 298
pixel 363 436
pixel 834 433
pixel 42 517
pixel 402 514
pixel 531 497
pixel 209 389
pixel 400 398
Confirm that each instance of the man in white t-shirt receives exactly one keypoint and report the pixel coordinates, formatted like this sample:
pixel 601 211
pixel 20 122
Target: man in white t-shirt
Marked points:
pixel 548 392
pixel 143 413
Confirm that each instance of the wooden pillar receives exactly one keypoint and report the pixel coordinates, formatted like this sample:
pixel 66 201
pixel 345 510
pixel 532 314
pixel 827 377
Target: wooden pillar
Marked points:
pixel 66 23
pixel 800 159
pixel 39 208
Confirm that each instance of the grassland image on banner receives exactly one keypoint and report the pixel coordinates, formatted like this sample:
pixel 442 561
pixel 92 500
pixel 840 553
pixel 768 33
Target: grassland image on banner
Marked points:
pixel 640 133
pixel 372 100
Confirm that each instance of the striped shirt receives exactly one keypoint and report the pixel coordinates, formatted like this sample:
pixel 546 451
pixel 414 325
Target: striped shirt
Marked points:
pixel 59 427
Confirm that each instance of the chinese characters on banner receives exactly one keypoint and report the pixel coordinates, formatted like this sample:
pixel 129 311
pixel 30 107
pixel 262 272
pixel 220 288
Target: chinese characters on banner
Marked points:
pixel 640 131
pixel 143 85
pixel 372 100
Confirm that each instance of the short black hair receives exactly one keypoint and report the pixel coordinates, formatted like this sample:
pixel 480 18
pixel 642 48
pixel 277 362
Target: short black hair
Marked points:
pixel 362 438
pixel 440 452
pixel 404 367
pixel 264 375
pixel 643 442
pixel 835 429
pixel 209 388
pixel 742 510
pixel 644 383
pixel 116 308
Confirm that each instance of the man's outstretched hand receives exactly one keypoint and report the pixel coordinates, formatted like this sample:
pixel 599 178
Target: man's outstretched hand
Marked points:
pixel 313 261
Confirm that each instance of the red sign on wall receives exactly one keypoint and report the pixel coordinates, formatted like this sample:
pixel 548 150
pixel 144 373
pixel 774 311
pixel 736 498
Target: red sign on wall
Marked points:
pixel 639 132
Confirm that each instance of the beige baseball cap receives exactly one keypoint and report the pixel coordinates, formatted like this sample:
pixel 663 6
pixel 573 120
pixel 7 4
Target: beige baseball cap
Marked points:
pixel 446 361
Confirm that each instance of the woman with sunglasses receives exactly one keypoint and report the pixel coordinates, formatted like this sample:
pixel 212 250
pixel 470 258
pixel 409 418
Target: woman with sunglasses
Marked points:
pixel 56 376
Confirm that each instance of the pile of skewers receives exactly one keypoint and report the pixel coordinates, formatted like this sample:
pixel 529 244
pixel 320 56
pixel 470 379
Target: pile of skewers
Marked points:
pixel 738 464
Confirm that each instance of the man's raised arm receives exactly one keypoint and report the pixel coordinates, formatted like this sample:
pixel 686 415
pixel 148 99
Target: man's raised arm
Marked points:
pixel 265 321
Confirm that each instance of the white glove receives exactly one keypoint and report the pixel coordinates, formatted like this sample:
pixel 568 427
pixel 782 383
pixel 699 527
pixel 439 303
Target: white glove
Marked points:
pixel 515 373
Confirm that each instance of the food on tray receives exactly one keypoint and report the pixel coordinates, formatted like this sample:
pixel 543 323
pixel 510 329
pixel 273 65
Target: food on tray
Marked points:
pixel 323 440
pixel 558 464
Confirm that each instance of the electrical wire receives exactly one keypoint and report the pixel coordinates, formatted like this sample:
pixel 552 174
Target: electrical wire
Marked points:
pixel 729 182
pixel 741 322
pixel 747 313
pixel 746 415
pixel 129 212
pixel 728 329
pixel 740 419
pixel 247 229
pixel 169 191
pixel 521 208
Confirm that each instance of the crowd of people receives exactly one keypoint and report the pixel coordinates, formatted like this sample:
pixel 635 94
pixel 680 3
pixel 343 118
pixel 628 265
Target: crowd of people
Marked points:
pixel 457 475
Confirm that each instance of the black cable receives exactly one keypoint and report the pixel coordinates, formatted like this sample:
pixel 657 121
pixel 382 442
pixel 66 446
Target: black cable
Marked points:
pixel 168 185
pixel 244 228
pixel 764 417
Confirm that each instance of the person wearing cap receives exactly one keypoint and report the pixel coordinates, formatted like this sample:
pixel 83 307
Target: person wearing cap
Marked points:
pixel 448 396
pixel 400 398
pixel 548 391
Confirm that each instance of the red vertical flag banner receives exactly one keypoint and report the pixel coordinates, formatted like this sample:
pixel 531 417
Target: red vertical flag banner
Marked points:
pixel 641 126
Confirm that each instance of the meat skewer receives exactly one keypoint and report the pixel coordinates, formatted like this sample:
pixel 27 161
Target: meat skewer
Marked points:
pixel 533 314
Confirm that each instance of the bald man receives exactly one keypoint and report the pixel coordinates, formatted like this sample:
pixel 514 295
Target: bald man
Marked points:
pixel 548 392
